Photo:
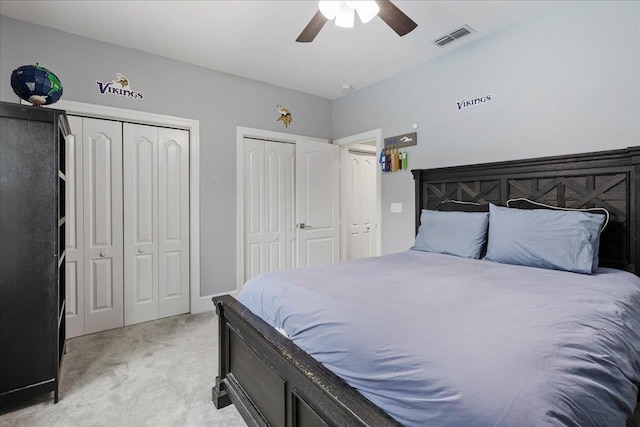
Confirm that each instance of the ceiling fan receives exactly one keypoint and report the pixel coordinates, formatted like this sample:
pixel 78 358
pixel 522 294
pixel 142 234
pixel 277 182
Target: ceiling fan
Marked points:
pixel 344 11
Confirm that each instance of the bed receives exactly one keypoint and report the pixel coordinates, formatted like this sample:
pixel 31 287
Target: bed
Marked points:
pixel 272 381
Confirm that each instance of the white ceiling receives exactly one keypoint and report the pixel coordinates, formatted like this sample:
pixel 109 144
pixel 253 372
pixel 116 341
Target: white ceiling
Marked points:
pixel 256 39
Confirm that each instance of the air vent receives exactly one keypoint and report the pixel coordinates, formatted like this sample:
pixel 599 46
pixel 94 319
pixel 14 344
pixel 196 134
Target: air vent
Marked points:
pixel 454 35
pixel 460 33
pixel 444 41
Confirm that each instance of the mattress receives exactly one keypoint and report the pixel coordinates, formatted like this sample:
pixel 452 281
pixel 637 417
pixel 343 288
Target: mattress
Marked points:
pixel 439 340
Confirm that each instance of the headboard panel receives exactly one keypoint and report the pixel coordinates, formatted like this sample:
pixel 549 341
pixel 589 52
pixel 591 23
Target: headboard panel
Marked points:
pixel 608 179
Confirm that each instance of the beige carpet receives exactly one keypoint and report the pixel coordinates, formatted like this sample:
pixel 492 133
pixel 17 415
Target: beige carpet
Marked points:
pixel 158 373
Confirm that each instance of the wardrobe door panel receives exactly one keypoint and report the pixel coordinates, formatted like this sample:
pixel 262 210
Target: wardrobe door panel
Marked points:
pixel 103 232
pixel 173 219
pixel 140 173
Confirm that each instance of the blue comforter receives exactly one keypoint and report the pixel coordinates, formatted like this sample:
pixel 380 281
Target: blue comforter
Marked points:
pixel 444 341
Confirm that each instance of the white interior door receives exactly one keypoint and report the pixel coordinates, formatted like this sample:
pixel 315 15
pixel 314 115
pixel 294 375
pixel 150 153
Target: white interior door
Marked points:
pixel 103 246
pixel 269 208
pixel 318 203
pixel 173 220
pixel 74 271
pixel 140 173
pixel 359 203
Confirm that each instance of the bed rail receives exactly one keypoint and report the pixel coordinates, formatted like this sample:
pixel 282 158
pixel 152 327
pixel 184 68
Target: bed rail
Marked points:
pixel 274 382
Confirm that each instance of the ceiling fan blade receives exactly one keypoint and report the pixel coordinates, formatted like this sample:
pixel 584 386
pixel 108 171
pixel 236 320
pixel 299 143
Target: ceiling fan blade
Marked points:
pixel 313 28
pixel 395 18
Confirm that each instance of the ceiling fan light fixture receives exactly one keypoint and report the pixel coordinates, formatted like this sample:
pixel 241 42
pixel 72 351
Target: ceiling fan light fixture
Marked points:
pixel 345 17
pixel 367 10
pixel 330 8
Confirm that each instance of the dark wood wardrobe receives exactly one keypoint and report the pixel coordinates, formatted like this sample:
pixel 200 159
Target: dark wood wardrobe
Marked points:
pixel 32 249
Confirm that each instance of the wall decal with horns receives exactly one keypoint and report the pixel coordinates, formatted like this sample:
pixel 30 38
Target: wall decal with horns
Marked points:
pixel 285 116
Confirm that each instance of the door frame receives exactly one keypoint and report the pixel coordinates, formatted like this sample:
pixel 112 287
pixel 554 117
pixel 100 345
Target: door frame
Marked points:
pixel 372 135
pixel 241 133
pixel 198 302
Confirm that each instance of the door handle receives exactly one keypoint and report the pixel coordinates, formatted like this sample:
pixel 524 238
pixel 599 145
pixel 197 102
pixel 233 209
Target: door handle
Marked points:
pixel 303 226
pixel 140 251
pixel 103 254
pixel 276 238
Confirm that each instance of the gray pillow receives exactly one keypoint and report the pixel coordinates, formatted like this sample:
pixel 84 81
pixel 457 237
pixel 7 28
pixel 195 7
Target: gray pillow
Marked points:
pixel 553 239
pixel 461 234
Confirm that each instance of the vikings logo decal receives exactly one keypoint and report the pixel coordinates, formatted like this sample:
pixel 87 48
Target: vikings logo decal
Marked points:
pixel 285 116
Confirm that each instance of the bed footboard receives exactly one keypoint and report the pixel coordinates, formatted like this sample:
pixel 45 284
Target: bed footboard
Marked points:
pixel 274 382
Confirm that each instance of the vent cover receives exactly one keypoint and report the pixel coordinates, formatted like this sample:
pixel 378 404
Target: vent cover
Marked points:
pixel 454 35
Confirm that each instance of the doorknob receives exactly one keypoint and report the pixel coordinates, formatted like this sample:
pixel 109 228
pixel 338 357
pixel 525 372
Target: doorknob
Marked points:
pixel 140 251
pixel 103 254
pixel 276 238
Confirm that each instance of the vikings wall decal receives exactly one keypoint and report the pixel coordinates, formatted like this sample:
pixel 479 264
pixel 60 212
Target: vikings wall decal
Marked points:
pixel 123 90
pixel 122 80
pixel 285 116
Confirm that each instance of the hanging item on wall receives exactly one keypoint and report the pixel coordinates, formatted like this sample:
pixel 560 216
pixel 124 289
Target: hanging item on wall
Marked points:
pixel 391 158
pixel 119 87
pixel 36 84
pixel 285 116
pixel 400 141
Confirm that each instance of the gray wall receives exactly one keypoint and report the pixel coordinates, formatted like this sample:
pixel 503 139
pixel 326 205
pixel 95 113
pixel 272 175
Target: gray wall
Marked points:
pixel 219 101
pixel 562 83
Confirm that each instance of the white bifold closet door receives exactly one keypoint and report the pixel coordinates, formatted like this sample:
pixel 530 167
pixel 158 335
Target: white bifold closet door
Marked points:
pixel 127 193
pixel 74 265
pixel 269 207
pixel 156 222
pixel 102 234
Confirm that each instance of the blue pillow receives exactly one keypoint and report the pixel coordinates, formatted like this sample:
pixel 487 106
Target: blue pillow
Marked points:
pixel 558 240
pixel 461 234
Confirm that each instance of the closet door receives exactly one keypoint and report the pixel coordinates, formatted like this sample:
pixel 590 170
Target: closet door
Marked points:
pixel 140 173
pixel 173 220
pixel 269 220
pixel 74 271
pixel 275 179
pixel 103 245
pixel 360 204
pixel 290 204
pixel 254 210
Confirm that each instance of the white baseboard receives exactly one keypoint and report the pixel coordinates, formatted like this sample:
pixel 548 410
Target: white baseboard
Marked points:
pixel 204 303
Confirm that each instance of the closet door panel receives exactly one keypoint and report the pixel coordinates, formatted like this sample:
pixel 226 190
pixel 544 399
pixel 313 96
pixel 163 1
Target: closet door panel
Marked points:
pixel 140 174
pixel 74 270
pixel 254 208
pixel 173 219
pixel 275 205
pixel 290 205
pixel 368 195
pixel 103 232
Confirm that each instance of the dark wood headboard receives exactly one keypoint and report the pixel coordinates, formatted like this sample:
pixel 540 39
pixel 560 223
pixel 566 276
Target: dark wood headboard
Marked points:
pixel 608 179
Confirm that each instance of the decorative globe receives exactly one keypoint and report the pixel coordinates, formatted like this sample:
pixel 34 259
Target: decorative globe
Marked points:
pixel 36 84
